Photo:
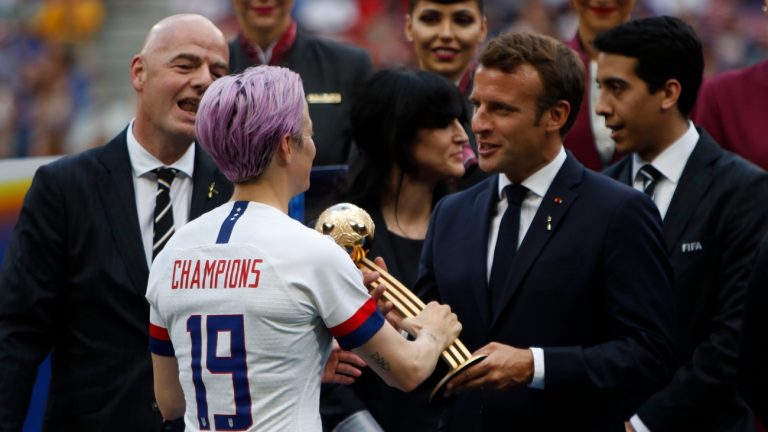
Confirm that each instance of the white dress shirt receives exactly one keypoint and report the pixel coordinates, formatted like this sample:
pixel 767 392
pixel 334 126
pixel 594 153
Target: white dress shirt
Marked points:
pixel 145 188
pixel 538 184
pixel 670 163
pixel 604 144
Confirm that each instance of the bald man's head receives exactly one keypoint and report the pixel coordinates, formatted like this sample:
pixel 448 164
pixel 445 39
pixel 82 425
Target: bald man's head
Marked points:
pixel 161 34
pixel 180 58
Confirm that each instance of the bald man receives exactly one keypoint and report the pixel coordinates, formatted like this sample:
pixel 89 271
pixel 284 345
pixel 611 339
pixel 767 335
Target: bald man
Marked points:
pixel 75 274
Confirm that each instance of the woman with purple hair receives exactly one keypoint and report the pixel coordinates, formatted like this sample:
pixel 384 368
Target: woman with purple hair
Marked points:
pixel 245 301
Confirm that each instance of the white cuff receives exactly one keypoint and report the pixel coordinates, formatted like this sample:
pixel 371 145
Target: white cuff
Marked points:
pixel 638 424
pixel 538 368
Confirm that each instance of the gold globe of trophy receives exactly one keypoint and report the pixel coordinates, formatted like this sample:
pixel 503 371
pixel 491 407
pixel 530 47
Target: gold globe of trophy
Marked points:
pixel 350 226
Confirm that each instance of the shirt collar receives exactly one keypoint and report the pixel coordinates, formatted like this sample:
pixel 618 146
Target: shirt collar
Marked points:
pixel 143 161
pixel 539 181
pixel 275 52
pixel 672 160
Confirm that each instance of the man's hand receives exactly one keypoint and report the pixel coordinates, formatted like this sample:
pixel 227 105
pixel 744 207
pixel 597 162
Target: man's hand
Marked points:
pixel 387 308
pixel 504 368
pixel 342 366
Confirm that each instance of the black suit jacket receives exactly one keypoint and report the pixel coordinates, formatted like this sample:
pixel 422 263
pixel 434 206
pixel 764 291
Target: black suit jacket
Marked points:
pixel 73 283
pixel 325 67
pixel 753 373
pixel 594 292
pixel 712 227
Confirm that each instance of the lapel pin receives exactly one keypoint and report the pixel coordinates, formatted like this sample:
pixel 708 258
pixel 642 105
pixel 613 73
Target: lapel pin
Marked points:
pixel 558 200
pixel 212 190
pixel 549 223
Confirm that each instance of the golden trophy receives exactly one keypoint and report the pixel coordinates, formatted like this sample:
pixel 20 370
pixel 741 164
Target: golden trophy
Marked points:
pixel 350 227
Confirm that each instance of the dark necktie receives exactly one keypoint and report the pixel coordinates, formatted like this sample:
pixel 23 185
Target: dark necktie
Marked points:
pixel 650 176
pixel 506 241
pixel 163 210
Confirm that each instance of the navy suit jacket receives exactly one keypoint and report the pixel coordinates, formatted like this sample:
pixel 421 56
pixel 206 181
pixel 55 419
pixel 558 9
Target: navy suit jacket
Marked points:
pixel 73 284
pixel 753 375
pixel 594 292
pixel 712 228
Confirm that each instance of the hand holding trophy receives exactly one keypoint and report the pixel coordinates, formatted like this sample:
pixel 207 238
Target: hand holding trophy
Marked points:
pixel 350 226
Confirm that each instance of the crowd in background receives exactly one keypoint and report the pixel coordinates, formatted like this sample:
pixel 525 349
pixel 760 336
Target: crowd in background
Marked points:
pixel 47 79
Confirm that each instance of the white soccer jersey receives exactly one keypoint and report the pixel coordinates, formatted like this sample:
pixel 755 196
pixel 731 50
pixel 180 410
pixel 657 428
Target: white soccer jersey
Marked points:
pixel 247 300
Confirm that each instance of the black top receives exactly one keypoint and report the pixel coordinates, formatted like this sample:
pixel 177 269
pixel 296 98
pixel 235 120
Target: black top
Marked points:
pixel 394 410
pixel 401 254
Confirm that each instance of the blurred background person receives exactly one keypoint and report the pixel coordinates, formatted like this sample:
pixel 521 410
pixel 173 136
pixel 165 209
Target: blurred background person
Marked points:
pixel 589 140
pixel 407 126
pixel 734 36
pixel 732 106
pixel 445 35
pixel 330 72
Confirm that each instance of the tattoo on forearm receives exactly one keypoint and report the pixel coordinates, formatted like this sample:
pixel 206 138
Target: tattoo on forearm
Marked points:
pixel 380 360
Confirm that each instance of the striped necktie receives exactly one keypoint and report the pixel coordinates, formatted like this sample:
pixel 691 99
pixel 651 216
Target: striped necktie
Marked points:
pixel 163 209
pixel 650 176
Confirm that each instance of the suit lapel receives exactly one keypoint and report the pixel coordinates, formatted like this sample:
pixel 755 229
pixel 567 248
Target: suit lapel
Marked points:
pixel 482 210
pixel 625 172
pixel 691 188
pixel 115 188
pixel 555 204
pixel 209 190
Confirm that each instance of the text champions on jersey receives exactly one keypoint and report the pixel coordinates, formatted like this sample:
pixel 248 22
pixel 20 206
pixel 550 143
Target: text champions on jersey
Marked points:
pixel 211 274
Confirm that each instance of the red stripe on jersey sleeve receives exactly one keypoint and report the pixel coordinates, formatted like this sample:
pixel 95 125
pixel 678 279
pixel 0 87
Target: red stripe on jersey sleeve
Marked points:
pixel 366 310
pixel 158 333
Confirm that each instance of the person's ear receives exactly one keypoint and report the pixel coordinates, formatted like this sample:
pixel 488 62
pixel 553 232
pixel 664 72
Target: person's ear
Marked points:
pixel 285 150
pixel 556 116
pixel 671 93
pixel 408 28
pixel 138 72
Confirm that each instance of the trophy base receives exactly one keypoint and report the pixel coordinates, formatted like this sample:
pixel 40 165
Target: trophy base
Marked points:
pixel 441 385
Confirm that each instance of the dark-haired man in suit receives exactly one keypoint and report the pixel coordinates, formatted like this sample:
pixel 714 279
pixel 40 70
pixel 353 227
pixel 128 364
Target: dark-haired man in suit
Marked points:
pixel 557 273
pixel 74 278
pixel 713 207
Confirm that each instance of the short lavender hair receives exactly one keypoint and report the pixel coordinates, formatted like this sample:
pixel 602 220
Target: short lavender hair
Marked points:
pixel 242 118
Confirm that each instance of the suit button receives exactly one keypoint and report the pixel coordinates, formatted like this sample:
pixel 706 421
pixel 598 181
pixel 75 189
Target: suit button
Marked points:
pixel 155 408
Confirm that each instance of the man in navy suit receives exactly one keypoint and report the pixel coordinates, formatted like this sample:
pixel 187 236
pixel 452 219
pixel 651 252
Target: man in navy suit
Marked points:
pixel 712 202
pixel 562 279
pixel 74 278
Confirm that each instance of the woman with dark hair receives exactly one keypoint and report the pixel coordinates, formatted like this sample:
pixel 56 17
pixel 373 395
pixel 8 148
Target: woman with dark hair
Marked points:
pixel 407 127
pixel 445 35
